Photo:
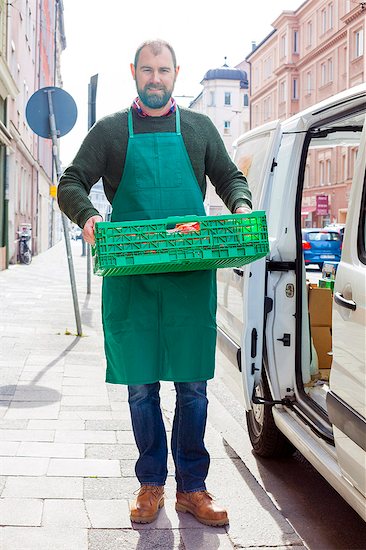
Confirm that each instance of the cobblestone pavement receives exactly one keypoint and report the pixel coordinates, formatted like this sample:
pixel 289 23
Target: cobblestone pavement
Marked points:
pixel 67 452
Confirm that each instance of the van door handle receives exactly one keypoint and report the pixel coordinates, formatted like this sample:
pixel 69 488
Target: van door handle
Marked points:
pixel 341 301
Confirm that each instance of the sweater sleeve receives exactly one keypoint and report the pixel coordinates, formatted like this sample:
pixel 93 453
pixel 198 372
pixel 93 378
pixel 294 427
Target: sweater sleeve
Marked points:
pixel 229 182
pixel 79 177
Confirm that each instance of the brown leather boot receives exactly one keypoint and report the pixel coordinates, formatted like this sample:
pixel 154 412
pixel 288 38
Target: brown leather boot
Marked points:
pixel 201 505
pixel 146 506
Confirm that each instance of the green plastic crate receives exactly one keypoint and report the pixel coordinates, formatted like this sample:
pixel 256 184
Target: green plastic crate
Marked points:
pixel 154 246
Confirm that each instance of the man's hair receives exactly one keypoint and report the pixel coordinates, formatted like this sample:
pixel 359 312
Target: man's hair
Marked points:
pixel 156 47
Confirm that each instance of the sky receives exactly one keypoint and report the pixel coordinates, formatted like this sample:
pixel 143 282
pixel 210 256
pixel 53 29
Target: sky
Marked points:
pixel 102 37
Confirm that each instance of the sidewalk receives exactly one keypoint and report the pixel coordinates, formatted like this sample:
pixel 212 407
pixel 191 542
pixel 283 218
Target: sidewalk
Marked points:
pixel 67 452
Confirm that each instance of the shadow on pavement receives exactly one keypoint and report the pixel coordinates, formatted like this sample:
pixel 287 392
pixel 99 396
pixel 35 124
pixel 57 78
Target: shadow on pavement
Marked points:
pixel 46 395
pixel 320 516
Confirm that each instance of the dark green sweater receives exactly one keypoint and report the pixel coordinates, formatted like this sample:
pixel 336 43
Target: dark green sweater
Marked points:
pixel 103 153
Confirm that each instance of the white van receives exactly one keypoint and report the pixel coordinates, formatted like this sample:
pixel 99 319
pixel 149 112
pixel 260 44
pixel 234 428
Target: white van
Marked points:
pixel 300 348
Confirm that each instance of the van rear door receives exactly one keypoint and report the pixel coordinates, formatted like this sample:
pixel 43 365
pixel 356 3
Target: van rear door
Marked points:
pixel 240 309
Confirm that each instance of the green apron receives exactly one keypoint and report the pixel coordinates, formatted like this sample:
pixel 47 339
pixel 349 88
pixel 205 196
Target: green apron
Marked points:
pixel 159 326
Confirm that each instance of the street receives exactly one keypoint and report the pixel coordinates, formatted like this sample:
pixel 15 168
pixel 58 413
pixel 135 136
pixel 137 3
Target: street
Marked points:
pixel 67 450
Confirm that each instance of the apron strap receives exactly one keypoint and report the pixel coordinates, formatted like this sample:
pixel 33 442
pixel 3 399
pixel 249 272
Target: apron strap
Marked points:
pixel 177 122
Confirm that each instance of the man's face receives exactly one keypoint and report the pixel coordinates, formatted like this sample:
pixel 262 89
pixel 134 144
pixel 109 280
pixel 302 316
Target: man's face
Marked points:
pixel 155 77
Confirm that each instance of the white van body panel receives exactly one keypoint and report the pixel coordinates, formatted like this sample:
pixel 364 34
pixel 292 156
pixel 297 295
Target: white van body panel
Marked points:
pixel 348 372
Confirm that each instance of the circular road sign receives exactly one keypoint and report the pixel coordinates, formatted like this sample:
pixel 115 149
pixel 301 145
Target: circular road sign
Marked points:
pixel 37 111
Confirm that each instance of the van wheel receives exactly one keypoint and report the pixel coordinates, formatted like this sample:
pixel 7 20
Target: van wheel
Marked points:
pixel 265 437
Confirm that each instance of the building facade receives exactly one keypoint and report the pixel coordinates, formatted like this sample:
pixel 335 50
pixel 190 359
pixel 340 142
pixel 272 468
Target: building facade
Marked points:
pixel 312 54
pixel 34 39
pixel 225 99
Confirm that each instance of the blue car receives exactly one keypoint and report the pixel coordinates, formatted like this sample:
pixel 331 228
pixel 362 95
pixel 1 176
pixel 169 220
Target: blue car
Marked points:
pixel 321 245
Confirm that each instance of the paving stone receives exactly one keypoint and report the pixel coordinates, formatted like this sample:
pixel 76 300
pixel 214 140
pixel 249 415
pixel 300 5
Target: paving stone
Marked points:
pixel 44 538
pixel 78 467
pixel 85 415
pixel 13 424
pixel 208 538
pixel 9 448
pixel 32 409
pixel 119 425
pixel 23 466
pixel 81 400
pixel 118 452
pixel 153 539
pixel 27 435
pixel 65 513
pixel 125 437
pixel 108 514
pixel 20 511
pixel 85 408
pixel 61 450
pixel 43 487
pixel 85 391
pixel 2 485
pixel 82 382
pixel 56 425
pixel 50 395
pixel 118 488
pixel 85 436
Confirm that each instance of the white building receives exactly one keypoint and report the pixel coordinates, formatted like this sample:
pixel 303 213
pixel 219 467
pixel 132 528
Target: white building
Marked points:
pixel 225 99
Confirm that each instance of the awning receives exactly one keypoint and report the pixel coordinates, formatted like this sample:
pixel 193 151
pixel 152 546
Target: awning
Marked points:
pixel 305 210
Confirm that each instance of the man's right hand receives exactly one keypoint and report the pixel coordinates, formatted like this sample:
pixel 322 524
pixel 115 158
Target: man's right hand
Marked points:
pixel 89 227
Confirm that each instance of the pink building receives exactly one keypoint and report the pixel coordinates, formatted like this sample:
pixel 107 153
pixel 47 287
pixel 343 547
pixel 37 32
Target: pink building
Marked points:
pixel 312 54
pixel 35 39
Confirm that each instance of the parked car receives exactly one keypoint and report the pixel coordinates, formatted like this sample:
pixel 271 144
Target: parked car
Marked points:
pixel 339 227
pixel 321 245
pixel 296 350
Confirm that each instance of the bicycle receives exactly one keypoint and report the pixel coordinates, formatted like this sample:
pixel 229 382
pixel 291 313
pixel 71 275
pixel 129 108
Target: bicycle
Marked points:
pixel 25 254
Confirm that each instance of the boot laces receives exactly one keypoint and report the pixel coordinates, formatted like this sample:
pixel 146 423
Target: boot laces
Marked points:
pixel 153 489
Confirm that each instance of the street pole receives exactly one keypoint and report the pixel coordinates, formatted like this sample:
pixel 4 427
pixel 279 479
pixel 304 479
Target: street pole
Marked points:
pixel 65 222
pixel 92 94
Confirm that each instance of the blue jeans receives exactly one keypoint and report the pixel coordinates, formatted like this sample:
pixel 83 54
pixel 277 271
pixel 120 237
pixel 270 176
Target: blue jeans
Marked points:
pixel 190 456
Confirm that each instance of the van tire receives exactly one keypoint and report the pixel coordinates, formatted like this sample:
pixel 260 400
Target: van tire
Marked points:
pixel 266 439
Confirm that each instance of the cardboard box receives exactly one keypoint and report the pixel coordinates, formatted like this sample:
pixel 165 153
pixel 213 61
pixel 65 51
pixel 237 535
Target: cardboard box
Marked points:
pixel 320 307
pixel 322 338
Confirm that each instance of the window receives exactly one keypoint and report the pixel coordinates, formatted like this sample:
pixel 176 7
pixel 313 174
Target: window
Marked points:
pixel 246 100
pixel 267 108
pixel 211 99
pixel 283 91
pixel 344 167
pixel 227 98
pixel 308 83
pixel 295 88
pixel 296 41
pixel 330 16
pixel 267 67
pixel 330 70
pixel 323 74
pixel 358 41
pixel 309 33
pixel 283 46
pixel 226 127
pixel 328 168
pixel 321 172
pixel 323 17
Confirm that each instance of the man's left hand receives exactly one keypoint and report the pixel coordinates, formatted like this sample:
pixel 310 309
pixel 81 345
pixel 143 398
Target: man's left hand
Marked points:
pixel 243 210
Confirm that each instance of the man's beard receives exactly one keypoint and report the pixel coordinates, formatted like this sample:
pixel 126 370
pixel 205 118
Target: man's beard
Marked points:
pixel 154 101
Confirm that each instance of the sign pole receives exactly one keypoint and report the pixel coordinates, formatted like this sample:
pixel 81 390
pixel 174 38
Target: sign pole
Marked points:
pixel 65 222
pixel 92 93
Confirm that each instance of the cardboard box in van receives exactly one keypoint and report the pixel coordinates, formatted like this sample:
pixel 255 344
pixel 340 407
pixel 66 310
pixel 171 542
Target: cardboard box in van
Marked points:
pixel 322 338
pixel 320 307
